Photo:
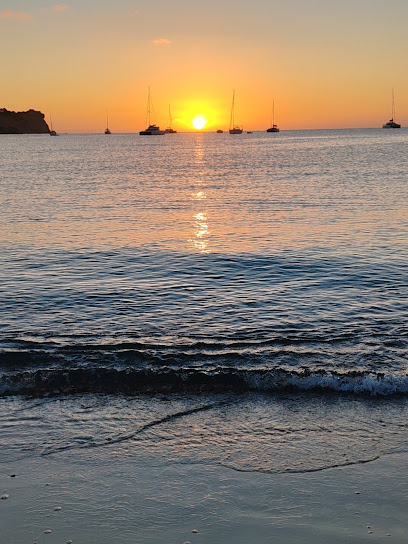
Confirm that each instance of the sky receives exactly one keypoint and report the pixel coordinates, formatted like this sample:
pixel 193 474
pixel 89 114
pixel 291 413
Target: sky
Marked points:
pixel 324 64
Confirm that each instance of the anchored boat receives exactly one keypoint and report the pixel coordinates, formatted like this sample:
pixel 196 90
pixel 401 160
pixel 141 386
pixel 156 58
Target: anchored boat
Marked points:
pixel 234 129
pixel 152 130
pixel 391 123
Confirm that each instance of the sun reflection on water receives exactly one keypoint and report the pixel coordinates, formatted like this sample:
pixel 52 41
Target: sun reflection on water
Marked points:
pixel 201 231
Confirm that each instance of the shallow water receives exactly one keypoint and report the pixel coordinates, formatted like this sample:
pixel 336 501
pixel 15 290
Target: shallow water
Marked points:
pixel 245 433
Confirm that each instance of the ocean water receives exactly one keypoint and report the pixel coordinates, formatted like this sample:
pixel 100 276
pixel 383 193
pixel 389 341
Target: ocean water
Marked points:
pixel 239 301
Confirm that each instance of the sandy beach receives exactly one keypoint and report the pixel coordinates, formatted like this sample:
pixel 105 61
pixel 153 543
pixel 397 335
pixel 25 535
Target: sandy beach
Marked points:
pixel 147 500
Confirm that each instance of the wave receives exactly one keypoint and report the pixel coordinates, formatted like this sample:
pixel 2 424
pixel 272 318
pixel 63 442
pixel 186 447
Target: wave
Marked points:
pixel 163 380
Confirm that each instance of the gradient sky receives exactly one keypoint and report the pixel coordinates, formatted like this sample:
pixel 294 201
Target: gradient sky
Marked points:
pixel 326 63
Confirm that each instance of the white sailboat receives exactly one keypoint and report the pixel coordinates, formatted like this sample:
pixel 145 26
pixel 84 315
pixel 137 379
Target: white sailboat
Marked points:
pixel 152 130
pixel 273 128
pixel 391 123
pixel 233 128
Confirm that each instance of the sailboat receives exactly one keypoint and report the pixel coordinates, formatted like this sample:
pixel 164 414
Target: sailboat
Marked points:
pixel 52 131
pixel 107 131
pixel 169 129
pixel 234 129
pixel 391 123
pixel 152 130
pixel 273 128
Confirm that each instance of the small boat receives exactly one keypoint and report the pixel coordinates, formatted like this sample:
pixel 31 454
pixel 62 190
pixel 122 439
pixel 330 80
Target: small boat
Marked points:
pixel 152 130
pixel 107 131
pixel 169 129
pixel 249 132
pixel 273 128
pixel 52 131
pixel 234 129
pixel 391 123
pixel 219 131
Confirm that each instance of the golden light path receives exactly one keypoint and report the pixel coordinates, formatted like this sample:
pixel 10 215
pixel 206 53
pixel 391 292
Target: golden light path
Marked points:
pixel 199 122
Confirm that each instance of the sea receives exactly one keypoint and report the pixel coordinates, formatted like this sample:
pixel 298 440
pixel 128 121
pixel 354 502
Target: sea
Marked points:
pixel 206 299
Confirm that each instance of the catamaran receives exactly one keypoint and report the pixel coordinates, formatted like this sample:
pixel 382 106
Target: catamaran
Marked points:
pixel 234 129
pixel 273 128
pixel 391 123
pixel 152 130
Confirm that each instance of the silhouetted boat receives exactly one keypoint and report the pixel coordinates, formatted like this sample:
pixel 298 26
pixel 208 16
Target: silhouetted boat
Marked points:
pixel 391 123
pixel 273 128
pixel 107 131
pixel 52 131
pixel 152 130
pixel 169 129
pixel 249 132
pixel 234 129
pixel 219 131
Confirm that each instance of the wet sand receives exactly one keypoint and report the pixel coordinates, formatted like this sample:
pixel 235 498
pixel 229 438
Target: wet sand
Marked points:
pixel 147 500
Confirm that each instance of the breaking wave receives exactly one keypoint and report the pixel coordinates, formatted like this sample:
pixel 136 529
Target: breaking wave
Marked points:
pixel 129 381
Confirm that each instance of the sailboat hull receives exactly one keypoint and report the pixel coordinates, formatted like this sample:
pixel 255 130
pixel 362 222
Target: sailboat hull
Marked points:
pixel 235 131
pixel 391 124
pixel 152 130
pixel 272 129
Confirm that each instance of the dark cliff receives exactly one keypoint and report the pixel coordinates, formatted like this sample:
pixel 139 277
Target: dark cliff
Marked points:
pixel 22 122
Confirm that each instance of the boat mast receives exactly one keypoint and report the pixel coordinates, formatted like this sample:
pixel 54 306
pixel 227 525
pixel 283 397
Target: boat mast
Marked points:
pixel 148 106
pixel 232 118
pixel 393 106
pixel 273 112
pixel 170 119
pixel 107 118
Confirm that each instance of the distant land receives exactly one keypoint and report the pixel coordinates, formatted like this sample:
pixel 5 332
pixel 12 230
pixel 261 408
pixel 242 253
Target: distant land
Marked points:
pixel 22 122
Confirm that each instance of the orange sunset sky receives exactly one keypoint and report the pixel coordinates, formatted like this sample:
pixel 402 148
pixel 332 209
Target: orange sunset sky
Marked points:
pixel 327 64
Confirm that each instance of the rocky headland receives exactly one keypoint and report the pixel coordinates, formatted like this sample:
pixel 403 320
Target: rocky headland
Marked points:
pixel 22 122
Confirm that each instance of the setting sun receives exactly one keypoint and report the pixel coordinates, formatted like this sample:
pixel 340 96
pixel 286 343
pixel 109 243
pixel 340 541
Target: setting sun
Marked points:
pixel 199 122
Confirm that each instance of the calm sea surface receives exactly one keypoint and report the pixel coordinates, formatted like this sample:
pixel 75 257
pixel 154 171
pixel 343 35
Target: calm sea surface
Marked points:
pixel 237 289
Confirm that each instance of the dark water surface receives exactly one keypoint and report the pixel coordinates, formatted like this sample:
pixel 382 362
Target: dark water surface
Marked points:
pixel 205 262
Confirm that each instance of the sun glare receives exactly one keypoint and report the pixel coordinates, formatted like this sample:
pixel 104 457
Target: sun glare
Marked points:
pixel 199 122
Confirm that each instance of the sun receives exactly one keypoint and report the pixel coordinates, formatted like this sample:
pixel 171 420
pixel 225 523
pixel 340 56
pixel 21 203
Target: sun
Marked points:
pixel 199 122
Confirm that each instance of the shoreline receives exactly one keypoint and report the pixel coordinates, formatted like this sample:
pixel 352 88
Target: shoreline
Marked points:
pixel 146 499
